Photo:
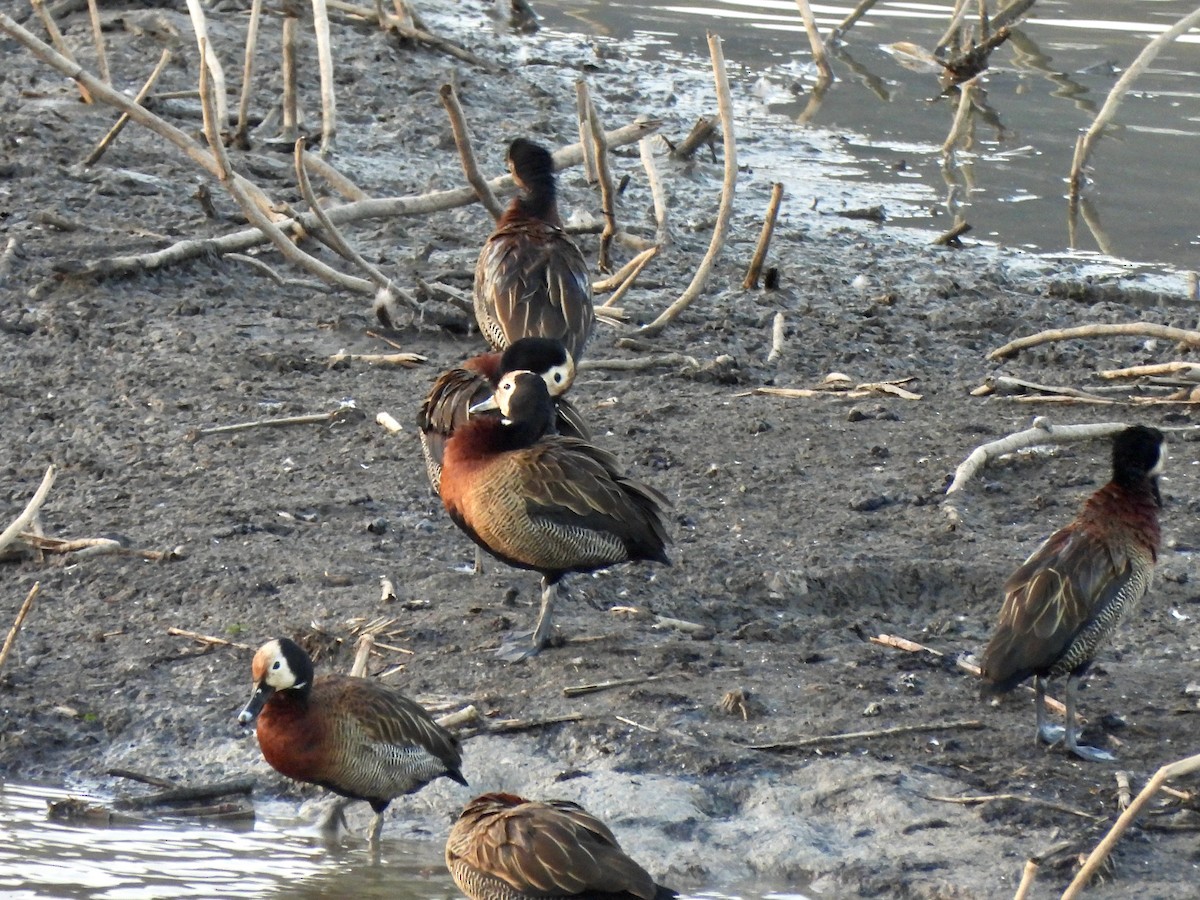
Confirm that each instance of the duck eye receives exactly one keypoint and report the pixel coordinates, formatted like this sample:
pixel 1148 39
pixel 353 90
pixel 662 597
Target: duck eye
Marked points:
pixel 558 377
pixel 275 666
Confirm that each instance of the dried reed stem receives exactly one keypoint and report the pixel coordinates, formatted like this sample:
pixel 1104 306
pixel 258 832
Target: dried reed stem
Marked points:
pixel 325 64
pixel 362 655
pixel 107 140
pixel 583 103
pixel 1097 857
pixel 57 40
pixel 820 57
pixel 1084 148
pixel 619 277
pixel 724 211
pixel 658 193
pixel 776 338
pixel 639 262
pixel 98 39
pixel 1028 876
pixel 857 13
pixel 18 622
pixel 290 129
pixel 764 238
pixel 209 61
pixel 466 153
pixel 336 179
pixel 241 138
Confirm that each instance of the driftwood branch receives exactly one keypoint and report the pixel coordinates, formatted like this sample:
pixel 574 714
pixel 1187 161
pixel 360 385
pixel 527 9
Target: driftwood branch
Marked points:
pixel 1104 848
pixel 764 238
pixel 21 522
pixel 1083 148
pixel 724 211
pixel 608 194
pixel 657 192
pixel 702 132
pixel 1131 329
pixel 466 152
pixel 820 57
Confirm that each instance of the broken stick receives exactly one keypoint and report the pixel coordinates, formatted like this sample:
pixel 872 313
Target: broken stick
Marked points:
pixel 801 743
pixel 1130 329
pixel 764 238
pixel 21 522
pixel 20 620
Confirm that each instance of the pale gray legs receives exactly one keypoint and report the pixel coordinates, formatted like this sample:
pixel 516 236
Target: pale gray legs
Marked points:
pixel 1052 734
pixel 523 644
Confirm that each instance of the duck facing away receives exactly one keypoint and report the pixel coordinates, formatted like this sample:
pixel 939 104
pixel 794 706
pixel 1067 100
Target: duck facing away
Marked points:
pixel 545 502
pixel 360 739
pixel 456 390
pixel 505 848
pixel 1066 600
pixel 531 280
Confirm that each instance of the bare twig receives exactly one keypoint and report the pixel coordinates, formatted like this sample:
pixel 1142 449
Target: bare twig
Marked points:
pixel 464 716
pixel 724 211
pixel 1097 857
pixel 1188 371
pixel 345 412
pixel 508 726
pixel 405 360
pixel 764 238
pixel 124 117
pixel 1131 329
pixel 640 364
pixel 96 547
pixel 1028 876
pixel 442 45
pixel 951 238
pixel 956 20
pixel 608 194
pixel 21 522
pixel 57 40
pixel 207 639
pixel 336 179
pixel 188 794
pixel 1083 149
pixel 98 39
pixel 243 121
pixel 820 57
pixel 784 746
pixel 466 153
pixel 18 622
pixel 639 262
pixel 857 13
pixel 578 690
pixel 290 129
pixel 209 62
pixel 143 778
pixel 325 65
pixel 619 277
pixel 1018 798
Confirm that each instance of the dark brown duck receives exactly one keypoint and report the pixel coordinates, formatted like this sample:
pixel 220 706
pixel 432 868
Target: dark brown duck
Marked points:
pixel 360 739
pixel 545 502
pixel 506 848
pixel 531 280
pixel 1066 600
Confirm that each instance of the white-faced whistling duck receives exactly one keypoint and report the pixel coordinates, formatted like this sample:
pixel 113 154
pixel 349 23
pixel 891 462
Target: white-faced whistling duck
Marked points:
pixel 1068 597
pixel 548 503
pixel 359 738
pixel 531 280
pixel 457 390
pixel 505 848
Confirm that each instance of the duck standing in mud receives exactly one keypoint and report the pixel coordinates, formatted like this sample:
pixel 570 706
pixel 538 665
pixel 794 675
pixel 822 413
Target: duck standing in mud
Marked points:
pixel 1068 597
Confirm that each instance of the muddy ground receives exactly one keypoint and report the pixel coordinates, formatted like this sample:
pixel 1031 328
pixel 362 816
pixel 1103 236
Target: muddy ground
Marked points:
pixel 802 527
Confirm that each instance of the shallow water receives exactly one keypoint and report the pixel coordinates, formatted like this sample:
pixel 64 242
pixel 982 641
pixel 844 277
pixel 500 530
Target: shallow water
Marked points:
pixel 1043 89
pixel 273 858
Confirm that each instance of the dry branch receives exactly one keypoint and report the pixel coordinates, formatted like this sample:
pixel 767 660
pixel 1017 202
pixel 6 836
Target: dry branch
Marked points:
pixel 1130 329
pixel 462 139
pixel 639 262
pixel 764 238
pixel 209 62
pixel 1018 798
pixel 724 211
pixel 1042 432
pixel 207 639
pixel 464 716
pixel 608 194
pixel 362 655
pixel 346 412
pixel 98 39
pixel 1187 370
pixel 578 690
pixel 57 40
pixel 583 106
pixel 1028 876
pixel 124 117
pixel 188 794
pixel 243 120
pixel 405 360
pixel 777 334
pixel 640 364
pixel 421 36
pixel 18 622
pixel 801 743
pixel 857 13
pixel 1083 148
pixel 702 132
pixel 657 191
pixel 325 66
pixel 951 238
pixel 619 277
pixel 96 547
pixel 21 522
pixel 962 117
pixel 1097 857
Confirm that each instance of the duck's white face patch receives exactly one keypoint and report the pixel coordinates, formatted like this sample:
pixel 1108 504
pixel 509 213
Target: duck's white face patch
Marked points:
pixel 559 378
pixel 1162 458
pixel 271 667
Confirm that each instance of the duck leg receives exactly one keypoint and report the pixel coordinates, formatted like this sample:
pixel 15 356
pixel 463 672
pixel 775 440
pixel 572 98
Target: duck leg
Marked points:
pixel 524 644
pixel 478 570
pixel 1091 754
pixel 334 818
pixel 1047 733
pixel 376 829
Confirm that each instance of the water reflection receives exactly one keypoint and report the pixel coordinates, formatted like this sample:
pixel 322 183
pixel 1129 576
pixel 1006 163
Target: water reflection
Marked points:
pixel 1044 86
pixel 44 858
